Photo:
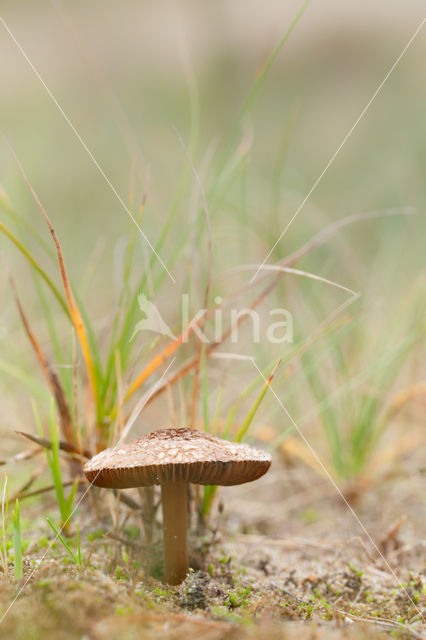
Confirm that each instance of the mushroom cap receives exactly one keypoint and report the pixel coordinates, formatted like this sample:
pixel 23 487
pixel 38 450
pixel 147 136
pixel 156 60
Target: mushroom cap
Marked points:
pixel 176 455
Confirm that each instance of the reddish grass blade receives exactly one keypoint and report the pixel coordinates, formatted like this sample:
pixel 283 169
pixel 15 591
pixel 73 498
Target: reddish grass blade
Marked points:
pixel 50 376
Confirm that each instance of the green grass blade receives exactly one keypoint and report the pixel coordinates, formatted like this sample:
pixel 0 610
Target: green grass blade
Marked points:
pixel 314 376
pixel 22 222
pixel 229 420
pixel 53 461
pixel 209 493
pixel 24 377
pixel 258 83
pixel 17 542
pixel 4 510
pixel 70 500
pixel 251 414
pixel 63 541
pixel 77 535
pixel 205 389
pixel 217 411
pixel 33 262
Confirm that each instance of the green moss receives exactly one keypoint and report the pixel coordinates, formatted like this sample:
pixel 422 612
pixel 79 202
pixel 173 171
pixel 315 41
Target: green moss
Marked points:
pixel 132 532
pixel 224 613
pixel 95 535
pixel 238 597
pixel 124 611
pixel 42 584
pixel 357 572
pixel 120 574
pixel 309 516
pixel 42 542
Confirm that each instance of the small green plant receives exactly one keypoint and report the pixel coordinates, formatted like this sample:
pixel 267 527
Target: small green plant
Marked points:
pixel 358 572
pixel 17 542
pixel 98 534
pixel 238 597
pixel 75 558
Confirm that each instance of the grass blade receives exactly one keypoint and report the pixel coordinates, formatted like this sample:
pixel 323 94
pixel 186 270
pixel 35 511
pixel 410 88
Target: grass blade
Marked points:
pixel 70 500
pixel 63 541
pixel 251 414
pixel 205 390
pixel 4 506
pixel 53 460
pixel 267 66
pixel 17 542
pixel 77 536
pixel 63 446
pixel 21 222
pixel 33 262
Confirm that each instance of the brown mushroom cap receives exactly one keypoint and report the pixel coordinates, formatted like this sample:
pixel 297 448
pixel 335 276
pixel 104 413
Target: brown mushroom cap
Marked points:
pixel 176 455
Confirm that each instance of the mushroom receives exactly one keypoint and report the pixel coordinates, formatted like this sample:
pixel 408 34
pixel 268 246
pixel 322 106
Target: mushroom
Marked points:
pixel 173 458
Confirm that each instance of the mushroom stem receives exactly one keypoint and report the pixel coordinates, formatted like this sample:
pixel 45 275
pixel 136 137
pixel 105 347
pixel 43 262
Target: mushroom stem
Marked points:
pixel 174 501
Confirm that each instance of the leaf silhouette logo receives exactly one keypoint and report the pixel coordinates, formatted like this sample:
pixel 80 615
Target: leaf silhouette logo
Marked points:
pixel 153 321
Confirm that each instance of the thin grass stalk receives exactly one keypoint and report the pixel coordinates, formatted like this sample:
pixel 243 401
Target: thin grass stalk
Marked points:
pixel 254 92
pixel 126 276
pixel 17 542
pixel 76 413
pixel 196 381
pixel 4 508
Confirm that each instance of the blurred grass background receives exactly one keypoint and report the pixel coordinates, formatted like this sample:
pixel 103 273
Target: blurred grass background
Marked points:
pixel 126 73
